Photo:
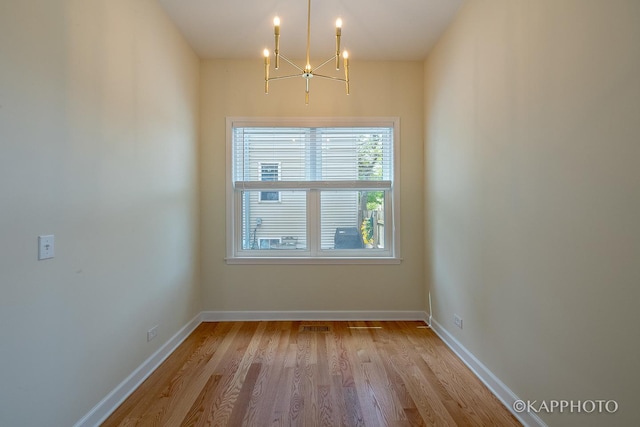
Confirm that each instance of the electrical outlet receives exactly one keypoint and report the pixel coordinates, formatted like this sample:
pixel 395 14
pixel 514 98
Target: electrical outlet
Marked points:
pixel 152 333
pixel 457 320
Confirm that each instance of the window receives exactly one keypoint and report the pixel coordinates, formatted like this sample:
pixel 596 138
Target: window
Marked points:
pixel 312 190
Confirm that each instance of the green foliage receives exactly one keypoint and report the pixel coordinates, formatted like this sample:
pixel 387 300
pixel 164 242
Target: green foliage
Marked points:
pixel 374 200
pixel 370 157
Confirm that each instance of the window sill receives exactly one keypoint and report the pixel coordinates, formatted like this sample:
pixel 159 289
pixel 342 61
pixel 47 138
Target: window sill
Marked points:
pixel 313 261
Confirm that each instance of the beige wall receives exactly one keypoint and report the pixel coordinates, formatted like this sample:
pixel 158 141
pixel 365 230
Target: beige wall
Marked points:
pixel 98 144
pixel 533 183
pixel 235 88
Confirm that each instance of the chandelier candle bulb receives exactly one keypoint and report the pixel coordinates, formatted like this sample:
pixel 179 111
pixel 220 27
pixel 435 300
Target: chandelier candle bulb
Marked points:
pixel 266 71
pixel 306 93
pixel 276 32
pixel 345 55
pixel 338 34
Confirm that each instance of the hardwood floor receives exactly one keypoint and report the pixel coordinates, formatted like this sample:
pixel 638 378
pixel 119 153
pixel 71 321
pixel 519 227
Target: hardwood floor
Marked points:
pixel 277 374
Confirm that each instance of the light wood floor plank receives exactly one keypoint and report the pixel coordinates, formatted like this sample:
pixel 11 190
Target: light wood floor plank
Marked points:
pixel 271 356
pixel 195 388
pixel 360 374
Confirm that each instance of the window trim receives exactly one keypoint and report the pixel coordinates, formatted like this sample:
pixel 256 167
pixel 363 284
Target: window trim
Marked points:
pixel 234 253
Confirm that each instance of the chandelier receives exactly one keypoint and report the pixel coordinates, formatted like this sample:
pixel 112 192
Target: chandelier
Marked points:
pixel 306 72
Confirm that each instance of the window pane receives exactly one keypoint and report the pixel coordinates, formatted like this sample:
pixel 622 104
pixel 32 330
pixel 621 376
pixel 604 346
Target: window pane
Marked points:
pixel 257 150
pixel 276 226
pixel 312 154
pixel 355 154
pixel 352 219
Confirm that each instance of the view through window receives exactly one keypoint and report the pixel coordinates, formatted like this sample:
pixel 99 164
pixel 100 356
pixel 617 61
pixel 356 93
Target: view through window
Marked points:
pixel 312 191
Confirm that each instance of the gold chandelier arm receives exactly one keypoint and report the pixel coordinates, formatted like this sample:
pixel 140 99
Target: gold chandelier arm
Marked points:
pixel 338 79
pixel 284 77
pixel 323 64
pixel 291 63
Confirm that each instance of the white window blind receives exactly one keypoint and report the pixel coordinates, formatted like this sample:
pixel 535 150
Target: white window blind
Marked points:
pixel 331 157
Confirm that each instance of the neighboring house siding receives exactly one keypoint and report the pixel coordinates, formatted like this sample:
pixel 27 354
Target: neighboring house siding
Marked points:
pixel 339 160
pixel 287 217
pixel 339 210
pixel 284 218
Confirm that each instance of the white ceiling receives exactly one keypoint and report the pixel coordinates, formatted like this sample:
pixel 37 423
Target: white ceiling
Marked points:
pixel 371 30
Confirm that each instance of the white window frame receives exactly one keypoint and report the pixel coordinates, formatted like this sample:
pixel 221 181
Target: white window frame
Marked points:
pixel 313 254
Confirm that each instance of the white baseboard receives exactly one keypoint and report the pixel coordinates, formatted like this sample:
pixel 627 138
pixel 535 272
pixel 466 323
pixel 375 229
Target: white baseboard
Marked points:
pixel 493 383
pixel 221 316
pixel 110 403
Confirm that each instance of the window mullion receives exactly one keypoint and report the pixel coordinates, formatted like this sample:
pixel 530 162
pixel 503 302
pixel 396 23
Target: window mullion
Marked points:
pixel 389 221
pixel 237 201
pixel 313 221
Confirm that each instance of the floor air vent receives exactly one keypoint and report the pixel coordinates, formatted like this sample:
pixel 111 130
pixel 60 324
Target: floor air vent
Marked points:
pixel 313 328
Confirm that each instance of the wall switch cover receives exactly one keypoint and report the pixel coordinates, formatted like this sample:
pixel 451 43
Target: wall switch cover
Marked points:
pixel 45 247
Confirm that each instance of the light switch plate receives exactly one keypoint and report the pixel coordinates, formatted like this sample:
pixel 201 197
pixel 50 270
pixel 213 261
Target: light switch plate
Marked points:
pixel 45 247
